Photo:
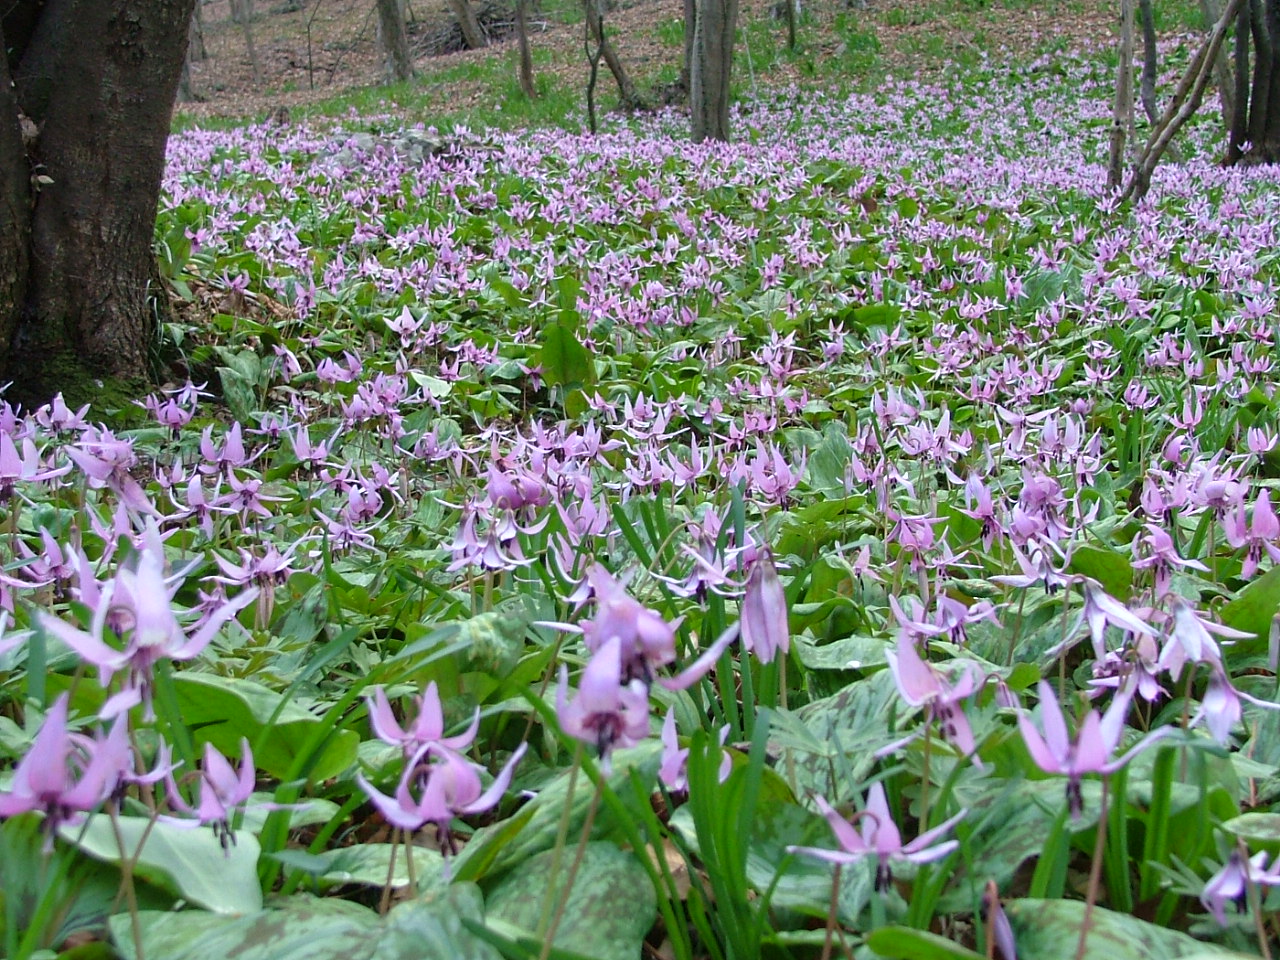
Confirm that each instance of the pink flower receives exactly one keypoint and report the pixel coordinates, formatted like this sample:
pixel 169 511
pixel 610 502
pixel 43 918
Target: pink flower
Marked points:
pixel 646 640
pixel 138 601
pixel 449 787
pixel 1091 750
pixel 1231 883
pixel 607 711
pixel 880 838
pixel 763 611
pixel 427 730
pixel 63 775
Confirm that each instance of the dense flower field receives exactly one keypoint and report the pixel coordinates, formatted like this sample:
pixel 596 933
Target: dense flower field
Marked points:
pixel 857 540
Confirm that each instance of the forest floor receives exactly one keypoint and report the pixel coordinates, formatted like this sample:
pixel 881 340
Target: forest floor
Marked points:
pixel 311 52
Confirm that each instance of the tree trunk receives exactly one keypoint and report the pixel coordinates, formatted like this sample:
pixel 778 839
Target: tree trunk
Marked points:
pixel 242 13
pixel 1239 120
pixel 690 24
pixel 1221 70
pixel 710 68
pixel 1150 56
pixel 595 26
pixel 1123 106
pixel 472 35
pixel 95 80
pixel 395 41
pixel 526 57
pixel 195 45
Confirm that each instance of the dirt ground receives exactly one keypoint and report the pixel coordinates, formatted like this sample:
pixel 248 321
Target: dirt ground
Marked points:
pixel 310 50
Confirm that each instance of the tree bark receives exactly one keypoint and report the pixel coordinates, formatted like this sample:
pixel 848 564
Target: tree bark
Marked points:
pixel 242 13
pixel 1150 55
pixel 395 41
pixel 1239 120
pixel 1123 106
pixel 472 35
pixel 595 26
pixel 195 46
pixel 526 56
pixel 711 67
pixel 1221 70
pixel 95 82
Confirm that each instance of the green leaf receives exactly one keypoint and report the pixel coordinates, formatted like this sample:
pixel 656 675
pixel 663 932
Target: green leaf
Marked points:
pixel 1112 569
pixel 833 740
pixel 1050 930
pixel 188 861
pixel 365 864
pixel 1256 829
pixel 504 845
pixel 609 909
pixel 1253 610
pixel 221 710
pixel 565 361
pixel 434 927
pixel 908 944
pixel 304 928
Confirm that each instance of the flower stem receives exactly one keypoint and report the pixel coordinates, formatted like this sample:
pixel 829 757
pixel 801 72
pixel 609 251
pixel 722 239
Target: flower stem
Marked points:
pixel 828 943
pixel 572 876
pixel 126 879
pixel 1095 873
pixel 385 903
pixel 562 835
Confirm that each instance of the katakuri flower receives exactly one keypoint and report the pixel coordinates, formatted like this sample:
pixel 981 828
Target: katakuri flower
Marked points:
pixel 879 837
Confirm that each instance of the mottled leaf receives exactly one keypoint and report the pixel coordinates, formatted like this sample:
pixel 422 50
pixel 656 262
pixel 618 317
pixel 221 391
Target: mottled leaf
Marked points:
pixel 609 910
pixel 303 928
pixel 1050 930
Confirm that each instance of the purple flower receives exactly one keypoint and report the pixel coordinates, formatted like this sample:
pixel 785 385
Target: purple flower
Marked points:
pixel 448 787
pixel 1091 750
pixel 921 685
pixel 675 758
pixel 879 837
pixel 222 789
pixel 62 774
pixel 138 603
pixel 426 731
pixel 1231 883
pixel 608 711
pixel 646 640
pixel 763 611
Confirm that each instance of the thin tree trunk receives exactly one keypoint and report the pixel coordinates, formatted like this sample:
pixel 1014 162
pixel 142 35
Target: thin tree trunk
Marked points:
pixel 1123 106
pixel 712 65
pixel 472 35
pixel 1150 57
pixel 1239 122
pixel 595 24
pixel 690 23
pixel 1267 149
pixel 792 13
pixel 1260 95
pixel 1182 106
pixel 395 41
pixel 526 57
pixel 242 14
pixel 589 37
pixel 1221 69
pixel 15 212
pixel 195 42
